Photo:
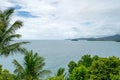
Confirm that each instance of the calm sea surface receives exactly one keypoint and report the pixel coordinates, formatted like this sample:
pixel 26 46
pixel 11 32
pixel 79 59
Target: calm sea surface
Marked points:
pixel 58 53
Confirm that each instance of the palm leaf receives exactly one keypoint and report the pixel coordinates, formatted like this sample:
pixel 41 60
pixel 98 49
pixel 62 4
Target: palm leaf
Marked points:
pixel 7 33
pixel 9 38
pixel 8 13
pixel 60 72
pixel 33 66
pixel 43 72
pixel 14 27
pixel 15 47
pixel 19 68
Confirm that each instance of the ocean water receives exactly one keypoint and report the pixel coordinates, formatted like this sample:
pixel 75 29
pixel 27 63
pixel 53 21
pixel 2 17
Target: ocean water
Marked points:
pixel 58 53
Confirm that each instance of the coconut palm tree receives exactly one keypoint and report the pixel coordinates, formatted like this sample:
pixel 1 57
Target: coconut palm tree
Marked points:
pixel 8 33
pixel 61 72
pixel 32 69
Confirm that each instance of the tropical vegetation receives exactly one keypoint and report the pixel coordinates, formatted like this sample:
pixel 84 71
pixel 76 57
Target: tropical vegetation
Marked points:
pixel 32 68
pixel 87 68
pixel 8 33
pixel 5 74
pixel 97 68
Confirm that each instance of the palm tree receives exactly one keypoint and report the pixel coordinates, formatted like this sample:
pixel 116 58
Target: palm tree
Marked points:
pixel 8 33
pixel 32 69
pixel 61 72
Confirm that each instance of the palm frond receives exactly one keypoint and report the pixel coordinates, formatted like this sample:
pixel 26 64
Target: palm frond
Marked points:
pixel 19 68
pixel 33 66
pixel 60 71
pixel 7 33
pixel 15 47
pixel 43 72
pixel 8 13
pixel 5 18
pixel 41 63
pixel 9 38
pixel 14 27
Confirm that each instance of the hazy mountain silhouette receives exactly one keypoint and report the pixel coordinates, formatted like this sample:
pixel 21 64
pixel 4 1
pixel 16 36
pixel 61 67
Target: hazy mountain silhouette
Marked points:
pixel 108 38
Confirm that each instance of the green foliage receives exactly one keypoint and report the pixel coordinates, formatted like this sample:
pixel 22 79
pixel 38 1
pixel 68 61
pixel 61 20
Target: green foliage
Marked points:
pixel 95 58
pixel 86 60
pixel 115 77
pixel 95 68
pixel 79 73
pixel 61 71
pixel 71 66
pixel 57 78
pixel 5 75
pixel 32 68
pixel 8 33
pixel 104 67
pixel 60 75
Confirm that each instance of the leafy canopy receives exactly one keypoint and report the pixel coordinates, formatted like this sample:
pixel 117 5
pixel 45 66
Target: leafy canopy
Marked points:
pixel 8 33
pixel 32 67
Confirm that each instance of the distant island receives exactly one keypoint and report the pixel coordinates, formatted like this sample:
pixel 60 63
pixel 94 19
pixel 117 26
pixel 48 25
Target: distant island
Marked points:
pixel 107 38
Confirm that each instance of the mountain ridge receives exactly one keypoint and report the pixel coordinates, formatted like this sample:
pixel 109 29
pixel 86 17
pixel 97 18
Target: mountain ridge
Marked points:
pixel 107 38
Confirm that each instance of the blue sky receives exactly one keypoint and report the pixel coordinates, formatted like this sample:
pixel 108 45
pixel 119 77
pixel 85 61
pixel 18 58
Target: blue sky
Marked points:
pixel 61 19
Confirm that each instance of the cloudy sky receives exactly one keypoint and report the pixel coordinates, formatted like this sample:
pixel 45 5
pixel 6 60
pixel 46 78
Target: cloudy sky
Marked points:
pixel 61 19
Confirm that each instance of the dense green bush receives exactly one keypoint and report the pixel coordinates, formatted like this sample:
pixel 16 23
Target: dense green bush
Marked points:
pixel 5 75
pixel 92 68
pixel 103 68
pixel 79 73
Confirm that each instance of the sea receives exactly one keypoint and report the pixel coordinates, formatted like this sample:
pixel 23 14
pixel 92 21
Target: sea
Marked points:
pixel 58 53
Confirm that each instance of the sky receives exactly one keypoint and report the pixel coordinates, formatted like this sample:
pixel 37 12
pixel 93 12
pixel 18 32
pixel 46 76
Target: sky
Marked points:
pixel 63 19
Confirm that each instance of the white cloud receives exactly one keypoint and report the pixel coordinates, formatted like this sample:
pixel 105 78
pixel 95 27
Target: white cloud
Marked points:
pixel 60 19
